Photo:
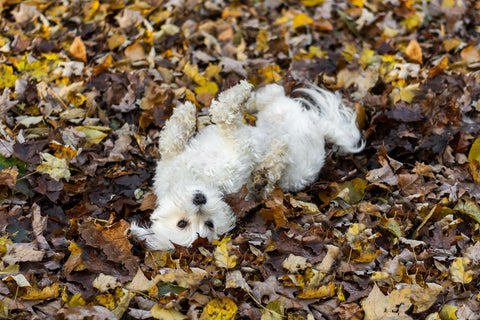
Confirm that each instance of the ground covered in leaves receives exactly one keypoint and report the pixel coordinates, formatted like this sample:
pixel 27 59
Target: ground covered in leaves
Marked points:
pixel 392 232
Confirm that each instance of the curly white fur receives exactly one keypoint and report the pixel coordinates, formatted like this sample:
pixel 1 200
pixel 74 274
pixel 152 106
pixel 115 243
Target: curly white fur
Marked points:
pixel 286 146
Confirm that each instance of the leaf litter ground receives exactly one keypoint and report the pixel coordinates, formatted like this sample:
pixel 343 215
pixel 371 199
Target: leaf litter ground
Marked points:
pixel 392 232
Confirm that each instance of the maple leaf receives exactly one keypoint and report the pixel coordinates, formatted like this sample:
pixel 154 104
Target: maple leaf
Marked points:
pixel 112 241
pixel 55 167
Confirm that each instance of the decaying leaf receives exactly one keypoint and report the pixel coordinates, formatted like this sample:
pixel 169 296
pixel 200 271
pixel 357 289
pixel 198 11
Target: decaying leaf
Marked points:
pixel 224 257
pixel 220 308
pixel 54 167
pixel 87 86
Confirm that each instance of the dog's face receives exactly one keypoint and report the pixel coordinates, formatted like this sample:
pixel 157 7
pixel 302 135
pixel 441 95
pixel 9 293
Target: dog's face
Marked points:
pixel 184 213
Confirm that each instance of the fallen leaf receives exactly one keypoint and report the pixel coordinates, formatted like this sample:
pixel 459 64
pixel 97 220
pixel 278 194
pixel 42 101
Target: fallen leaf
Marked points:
pixel 414 52
pixel 219 308
pixel 295 263
pixel 22 252
pixel 470 54
pixel 78 50
pixel 8 177
pixel 54 167
pixel 135 52
pixel 112 240
pixel 458 272
pixel 166 314
pixel 223 254
pixel 105 282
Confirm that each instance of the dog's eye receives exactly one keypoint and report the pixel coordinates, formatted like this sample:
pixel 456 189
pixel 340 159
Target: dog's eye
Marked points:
pixel 209 224
pixel 182 224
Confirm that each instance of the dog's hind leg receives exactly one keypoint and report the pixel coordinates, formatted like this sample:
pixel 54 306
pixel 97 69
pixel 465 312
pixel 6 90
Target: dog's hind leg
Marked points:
pixel 270 170
pixel 177 130
pixel 227 110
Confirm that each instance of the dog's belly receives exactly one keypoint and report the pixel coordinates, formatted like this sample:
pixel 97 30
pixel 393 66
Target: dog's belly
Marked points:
pixel 301 130
pixel 224 161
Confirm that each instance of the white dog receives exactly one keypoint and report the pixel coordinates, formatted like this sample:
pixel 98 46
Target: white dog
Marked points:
pixel 286 146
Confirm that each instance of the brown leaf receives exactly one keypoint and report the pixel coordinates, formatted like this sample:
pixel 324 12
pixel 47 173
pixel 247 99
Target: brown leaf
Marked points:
pixel 8 177
pixel 414 52
pixel 77 49
pixel 135 52
pixel 112 240
pixel 239 204
pixel 149 202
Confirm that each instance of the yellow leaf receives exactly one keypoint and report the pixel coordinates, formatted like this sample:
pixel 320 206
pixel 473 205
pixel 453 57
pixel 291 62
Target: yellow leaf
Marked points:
pixel 352 191
pixel 219 309
pixel 392 225
pixel 262 40
pixel 106 300
pixel 367 57
pixel 78 50
pixel 89 10
pixel 448 3
pixel 223 259
pixel 474 153
pixel 74 248
pixel 311 3
pixel 324 291
pixel 349 52
pixel 7 78
pixel 56 168
pixel 450 44
pixel 354 231
pixel 38 69
pixel 448 312
pixel 301 20
pixel 470 208
pixel 166 314
pixel 94 134
pixel 379 276
pixel 316 51
pixel 458 273
pixel 3 245
pixel 207 87
pixel 412 22
pixel 115 41
pixel 170 29
pixel 192 73
pixel 282 19
pixel 340 294
pixel 357 3
pixel 76 300
pixel 367 256
pixel 275 310
pixel 271 73
pixel 408 93
pixel 46 293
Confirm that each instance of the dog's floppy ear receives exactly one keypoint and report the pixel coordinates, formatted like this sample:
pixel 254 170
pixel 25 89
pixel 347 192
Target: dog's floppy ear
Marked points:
pixel 178 129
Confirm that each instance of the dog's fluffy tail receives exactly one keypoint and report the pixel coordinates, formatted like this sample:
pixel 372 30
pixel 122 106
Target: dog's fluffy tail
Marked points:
pixel 337 120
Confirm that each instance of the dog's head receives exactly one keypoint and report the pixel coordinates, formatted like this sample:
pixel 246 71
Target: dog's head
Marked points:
pixel 185 212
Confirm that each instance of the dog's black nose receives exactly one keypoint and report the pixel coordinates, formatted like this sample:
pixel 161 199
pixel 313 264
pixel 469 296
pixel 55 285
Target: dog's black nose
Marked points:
pixel 199 198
